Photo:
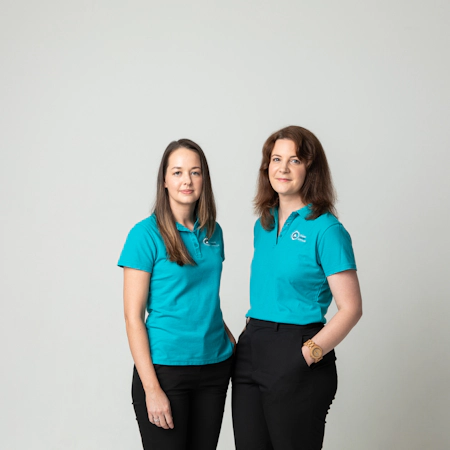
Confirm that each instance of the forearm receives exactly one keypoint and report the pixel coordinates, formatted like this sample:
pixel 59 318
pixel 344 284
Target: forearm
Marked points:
pixel 140 350
pixel 336 330
pixel 347 295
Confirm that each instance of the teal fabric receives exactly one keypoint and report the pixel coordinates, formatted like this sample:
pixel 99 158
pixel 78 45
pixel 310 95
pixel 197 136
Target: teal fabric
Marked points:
pixel 288 282
pixel 184 322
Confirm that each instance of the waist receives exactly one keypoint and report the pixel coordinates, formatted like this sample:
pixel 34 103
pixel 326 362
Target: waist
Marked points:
pixel 278 325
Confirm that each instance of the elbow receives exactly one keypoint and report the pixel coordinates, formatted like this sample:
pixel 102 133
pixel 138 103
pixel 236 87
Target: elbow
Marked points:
pixel 358 313
pixel 132 321
pixel 354 313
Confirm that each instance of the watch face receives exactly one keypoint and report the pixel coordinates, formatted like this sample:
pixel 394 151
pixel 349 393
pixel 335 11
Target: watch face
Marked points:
pixel 316 352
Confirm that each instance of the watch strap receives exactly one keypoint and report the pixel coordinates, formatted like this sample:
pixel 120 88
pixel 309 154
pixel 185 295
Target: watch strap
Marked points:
pixel 315 351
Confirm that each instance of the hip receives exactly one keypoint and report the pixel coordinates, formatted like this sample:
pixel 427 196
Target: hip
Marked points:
pixel 273 348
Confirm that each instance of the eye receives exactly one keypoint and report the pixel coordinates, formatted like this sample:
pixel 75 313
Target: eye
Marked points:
pixel 177 173
pixel 196 173
pixel 275 159
pixel 295 161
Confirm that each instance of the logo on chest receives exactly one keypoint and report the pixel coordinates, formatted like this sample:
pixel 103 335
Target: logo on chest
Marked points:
pixel 297 236
pixel 209 243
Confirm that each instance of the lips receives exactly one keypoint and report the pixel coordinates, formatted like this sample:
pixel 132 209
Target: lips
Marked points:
pixel 283 179
pixel 187 191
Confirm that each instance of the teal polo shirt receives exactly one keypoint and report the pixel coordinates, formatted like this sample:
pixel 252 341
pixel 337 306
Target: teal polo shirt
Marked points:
pixel 289 271
pixel 184 322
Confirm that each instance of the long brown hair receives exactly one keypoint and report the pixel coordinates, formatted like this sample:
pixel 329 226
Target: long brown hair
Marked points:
pixel 205 208
pixel 318 187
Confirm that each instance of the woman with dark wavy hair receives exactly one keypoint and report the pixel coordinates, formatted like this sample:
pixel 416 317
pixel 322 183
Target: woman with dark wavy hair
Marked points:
pixel 285 377
pixel 183 350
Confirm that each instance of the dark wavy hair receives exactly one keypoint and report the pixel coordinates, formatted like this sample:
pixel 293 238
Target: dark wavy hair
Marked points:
pixel 317 189
pixel 205 208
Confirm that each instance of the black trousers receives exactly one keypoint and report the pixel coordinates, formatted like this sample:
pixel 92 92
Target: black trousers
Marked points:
pixel 197 399
pixel 279 403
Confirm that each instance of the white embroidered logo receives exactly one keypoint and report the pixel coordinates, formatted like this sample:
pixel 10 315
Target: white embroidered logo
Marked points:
pixel 296 236
pixel 207 242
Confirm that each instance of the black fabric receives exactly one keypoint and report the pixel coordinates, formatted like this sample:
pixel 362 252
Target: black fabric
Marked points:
pixel 197 398
pixel 279 403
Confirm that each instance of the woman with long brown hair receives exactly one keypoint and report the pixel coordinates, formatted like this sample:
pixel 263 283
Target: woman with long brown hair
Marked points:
pixel 285 378
pixel 182 351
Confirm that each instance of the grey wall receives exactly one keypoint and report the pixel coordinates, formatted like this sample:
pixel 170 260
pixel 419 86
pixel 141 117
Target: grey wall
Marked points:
pixel 91 92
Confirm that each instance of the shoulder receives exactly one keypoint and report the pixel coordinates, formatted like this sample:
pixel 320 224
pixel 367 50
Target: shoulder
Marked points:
pixel 325 220
pixel 325 223
pixel 330 231
pixel 259 232
pixel 258 225
pixel 148 224
pixel 146 228
pixel 328 227
pixel 334 246
pixel 141 246
pixel 218 233
pixel 217 230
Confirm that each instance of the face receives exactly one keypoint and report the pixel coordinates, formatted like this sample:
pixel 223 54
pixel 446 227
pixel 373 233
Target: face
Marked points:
pixel 184 178
pixel 286 172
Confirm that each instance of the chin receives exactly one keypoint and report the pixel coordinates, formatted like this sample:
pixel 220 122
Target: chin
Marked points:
pixel 188 201
pixel 288 194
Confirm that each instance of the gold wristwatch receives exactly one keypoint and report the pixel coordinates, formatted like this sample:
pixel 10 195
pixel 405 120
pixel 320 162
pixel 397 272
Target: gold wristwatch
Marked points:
pixel 315 351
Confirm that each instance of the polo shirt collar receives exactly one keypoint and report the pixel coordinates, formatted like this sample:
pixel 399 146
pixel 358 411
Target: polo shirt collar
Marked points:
pixel 302 212
pixel 305 211
pixel 183 228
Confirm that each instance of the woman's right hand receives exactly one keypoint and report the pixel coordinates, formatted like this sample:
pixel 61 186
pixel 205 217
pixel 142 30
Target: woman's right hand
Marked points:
pixel 158 407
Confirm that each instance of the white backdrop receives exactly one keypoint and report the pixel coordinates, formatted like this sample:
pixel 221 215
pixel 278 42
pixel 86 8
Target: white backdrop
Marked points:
pixel 91 92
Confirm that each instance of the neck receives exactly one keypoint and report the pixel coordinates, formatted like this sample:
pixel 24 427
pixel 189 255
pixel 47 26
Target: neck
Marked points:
pixel 184 215
pixel 287 205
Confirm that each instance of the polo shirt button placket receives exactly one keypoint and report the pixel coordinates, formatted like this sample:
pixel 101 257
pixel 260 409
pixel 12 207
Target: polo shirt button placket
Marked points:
pixel 196 244
pixel 285 227
pixel 288 222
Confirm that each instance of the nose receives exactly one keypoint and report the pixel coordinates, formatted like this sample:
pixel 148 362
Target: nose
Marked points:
pixel 284 167
pixel 187 179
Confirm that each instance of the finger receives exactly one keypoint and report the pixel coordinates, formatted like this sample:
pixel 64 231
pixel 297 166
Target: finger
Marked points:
pixel 163 423
pixel 157 421
pixel 169 420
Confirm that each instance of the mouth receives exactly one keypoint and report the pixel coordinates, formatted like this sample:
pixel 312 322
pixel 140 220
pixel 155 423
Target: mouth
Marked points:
pixel 283 179
pixel 187 191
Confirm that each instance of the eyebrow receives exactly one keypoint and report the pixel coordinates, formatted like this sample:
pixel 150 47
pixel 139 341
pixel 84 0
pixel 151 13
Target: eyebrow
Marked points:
pixel 274 154
pixel 195 167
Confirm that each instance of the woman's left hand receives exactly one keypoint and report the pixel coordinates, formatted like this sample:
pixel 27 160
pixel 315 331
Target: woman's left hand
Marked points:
pixel 233 341
pixel 230 337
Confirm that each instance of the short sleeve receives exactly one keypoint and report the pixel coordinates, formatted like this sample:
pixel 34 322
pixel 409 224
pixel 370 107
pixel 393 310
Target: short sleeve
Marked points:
pixel 335 251
pixel 139 251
